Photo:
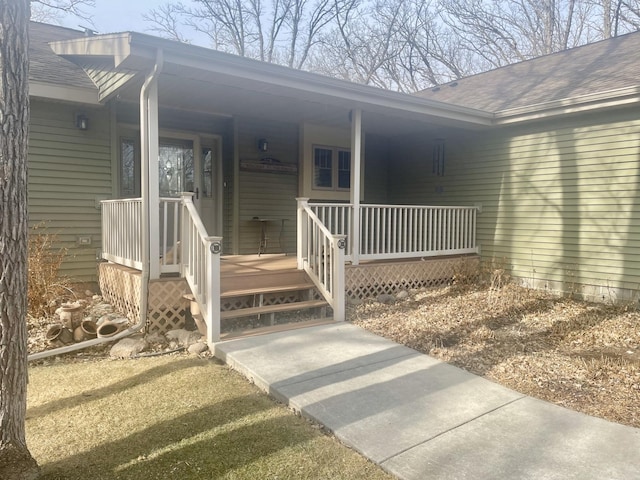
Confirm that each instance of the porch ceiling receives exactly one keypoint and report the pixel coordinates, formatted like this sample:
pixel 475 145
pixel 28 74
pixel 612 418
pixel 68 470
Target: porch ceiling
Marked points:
pixel 221 94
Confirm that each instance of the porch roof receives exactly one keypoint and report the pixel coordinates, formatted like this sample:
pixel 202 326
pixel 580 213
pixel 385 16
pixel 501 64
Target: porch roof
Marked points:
pixel 201 79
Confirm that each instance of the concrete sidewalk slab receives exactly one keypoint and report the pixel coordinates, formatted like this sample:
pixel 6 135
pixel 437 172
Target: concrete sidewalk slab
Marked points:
pixel 527 439
pixel 297 355
pixel 421 418
pixel 386 408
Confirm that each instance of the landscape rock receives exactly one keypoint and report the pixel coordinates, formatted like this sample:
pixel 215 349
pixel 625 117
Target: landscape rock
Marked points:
pixel 402 294
pixel 354 301
pixel 183 338
pixel 386 299
pixel 198 348
pixel 156 338
pixel 128 347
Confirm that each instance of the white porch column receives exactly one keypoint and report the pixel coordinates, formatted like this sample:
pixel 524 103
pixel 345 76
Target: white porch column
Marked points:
pixel 150 150
pixel 356 158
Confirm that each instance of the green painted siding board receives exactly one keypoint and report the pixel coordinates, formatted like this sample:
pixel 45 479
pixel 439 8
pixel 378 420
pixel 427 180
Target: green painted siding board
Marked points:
pixel 69 171
pixel 267 194
pixel 376 165
pixel 559 204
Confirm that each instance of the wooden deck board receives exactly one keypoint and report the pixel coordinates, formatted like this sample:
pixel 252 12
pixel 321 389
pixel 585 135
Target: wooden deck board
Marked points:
pixel 253 264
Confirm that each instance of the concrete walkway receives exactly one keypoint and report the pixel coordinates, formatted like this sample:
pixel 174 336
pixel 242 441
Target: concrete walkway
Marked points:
pixel 420 418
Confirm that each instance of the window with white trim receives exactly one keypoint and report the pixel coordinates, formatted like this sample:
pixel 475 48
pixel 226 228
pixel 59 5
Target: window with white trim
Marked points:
pixel 331 168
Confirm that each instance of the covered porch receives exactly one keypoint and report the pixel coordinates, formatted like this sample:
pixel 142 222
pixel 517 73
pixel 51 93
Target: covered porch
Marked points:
pixel 337 167
pixel 399 247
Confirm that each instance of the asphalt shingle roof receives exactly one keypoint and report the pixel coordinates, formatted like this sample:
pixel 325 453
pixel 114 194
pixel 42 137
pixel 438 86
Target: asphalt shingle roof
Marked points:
pixel 598 67
pixel 47 67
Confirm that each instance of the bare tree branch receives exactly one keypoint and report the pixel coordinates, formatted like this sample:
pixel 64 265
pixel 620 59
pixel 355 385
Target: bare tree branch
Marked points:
pixel 52 10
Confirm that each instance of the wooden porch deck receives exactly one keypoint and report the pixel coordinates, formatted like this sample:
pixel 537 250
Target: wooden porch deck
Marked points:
pixel 368 279
pixel 231 265
pixel 271 282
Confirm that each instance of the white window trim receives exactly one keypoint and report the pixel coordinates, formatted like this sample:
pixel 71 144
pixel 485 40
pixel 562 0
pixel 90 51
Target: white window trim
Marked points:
pixel 335 168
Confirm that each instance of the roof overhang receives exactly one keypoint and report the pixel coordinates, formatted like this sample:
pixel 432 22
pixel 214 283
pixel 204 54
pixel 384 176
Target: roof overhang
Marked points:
pixel 63 93
pixel 584 103
pixel 134 51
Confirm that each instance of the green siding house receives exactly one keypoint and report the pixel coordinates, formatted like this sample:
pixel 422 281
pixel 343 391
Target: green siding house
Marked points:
pixel 534 166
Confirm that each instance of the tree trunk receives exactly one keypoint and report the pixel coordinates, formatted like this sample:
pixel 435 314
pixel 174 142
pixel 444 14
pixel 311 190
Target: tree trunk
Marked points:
pixel 16 462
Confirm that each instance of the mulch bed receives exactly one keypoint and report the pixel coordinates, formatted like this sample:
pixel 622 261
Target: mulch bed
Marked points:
pixel 579 355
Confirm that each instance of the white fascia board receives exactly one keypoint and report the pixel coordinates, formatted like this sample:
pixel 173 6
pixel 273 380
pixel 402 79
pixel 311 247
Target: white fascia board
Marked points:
pixel 583 103
pixel 64 93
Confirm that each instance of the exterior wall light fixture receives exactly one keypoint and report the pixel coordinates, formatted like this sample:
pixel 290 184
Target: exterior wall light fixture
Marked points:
pixel 82 122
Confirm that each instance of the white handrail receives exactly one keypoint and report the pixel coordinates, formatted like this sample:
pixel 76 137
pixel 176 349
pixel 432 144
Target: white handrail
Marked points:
pixel 337 218
pixel 321 255
pixel 201 266
pixel 404 231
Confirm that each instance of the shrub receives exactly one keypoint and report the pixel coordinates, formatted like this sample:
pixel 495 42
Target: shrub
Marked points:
pixel 45 285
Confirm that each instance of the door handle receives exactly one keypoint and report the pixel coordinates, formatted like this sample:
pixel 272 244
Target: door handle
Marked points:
pixel 197 193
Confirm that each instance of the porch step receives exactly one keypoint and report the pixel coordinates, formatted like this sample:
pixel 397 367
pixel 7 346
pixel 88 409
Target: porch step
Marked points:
pixel 284 307
pixel 268 289
pixel 275 328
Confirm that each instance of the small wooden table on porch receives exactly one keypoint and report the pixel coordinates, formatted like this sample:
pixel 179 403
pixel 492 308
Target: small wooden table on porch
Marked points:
pixel 264 238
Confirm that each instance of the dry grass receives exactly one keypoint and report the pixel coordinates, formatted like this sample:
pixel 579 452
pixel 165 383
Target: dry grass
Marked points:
pixel 172 417
pixel 579 355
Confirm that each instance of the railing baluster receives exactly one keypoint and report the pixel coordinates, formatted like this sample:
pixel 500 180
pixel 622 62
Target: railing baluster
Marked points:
pixel 403 231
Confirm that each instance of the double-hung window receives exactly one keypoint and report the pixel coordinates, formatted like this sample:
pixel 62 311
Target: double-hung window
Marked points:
pixel 331 168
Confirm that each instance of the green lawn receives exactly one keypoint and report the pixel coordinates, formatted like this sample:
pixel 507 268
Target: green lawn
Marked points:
pixel 172 417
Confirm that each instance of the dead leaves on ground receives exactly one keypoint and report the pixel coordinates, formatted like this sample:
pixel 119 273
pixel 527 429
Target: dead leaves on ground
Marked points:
pixel 580 355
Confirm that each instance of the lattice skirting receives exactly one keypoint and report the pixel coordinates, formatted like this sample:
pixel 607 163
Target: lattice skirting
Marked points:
pixel 120 287
pixel 373 279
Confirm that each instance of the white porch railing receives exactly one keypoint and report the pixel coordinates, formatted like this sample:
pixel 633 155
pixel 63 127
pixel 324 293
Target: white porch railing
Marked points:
pixel 399 231
pixel 403 231
pixel 321 255
pixel 201 266
pixel 170 212
pixel 184 248
pixel 337 218
pixel 121 234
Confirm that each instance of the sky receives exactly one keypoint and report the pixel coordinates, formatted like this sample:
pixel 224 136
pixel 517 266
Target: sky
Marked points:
pixel 115 15
pixel 111 16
